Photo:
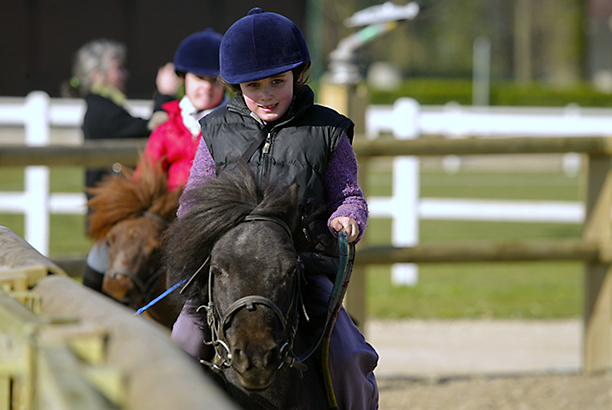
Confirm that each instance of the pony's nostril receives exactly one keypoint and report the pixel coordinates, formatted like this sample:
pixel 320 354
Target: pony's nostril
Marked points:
pixel 240 360
pixel 272 358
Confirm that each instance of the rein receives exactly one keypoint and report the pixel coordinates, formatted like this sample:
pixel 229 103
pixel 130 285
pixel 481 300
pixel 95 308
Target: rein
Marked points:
pixel 156 218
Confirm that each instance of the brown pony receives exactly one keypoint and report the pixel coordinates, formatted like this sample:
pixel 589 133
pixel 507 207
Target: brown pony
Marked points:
pixel 131 214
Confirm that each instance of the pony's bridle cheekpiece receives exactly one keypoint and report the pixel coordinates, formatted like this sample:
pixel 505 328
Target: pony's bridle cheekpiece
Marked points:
pixel 217 322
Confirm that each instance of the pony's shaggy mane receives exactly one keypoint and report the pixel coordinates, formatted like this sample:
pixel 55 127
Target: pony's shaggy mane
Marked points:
pixel 216 207
pixel 120 197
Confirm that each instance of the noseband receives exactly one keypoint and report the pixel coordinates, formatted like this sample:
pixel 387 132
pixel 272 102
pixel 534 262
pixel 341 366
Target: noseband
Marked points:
pixel 289 321
pixel 145 288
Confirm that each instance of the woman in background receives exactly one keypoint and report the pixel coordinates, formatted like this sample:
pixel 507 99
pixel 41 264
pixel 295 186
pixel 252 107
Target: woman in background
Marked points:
pixel 100 74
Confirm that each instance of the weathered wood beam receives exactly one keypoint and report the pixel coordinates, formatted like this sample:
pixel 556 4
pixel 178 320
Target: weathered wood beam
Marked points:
pixel 518 251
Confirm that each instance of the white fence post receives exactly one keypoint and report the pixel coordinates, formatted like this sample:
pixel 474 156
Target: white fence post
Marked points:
pixel 405 225
pixel 403 205
pixel 36 195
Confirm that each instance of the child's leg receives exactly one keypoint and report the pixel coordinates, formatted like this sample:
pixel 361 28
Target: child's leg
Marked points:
pixel 352 363
pixel 352 359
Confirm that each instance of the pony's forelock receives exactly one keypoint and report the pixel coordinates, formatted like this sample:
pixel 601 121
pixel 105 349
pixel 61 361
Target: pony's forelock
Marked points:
pixel 216 207
pixel 119 197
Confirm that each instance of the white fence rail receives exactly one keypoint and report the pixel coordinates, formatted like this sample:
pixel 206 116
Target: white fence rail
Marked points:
pixel 38 114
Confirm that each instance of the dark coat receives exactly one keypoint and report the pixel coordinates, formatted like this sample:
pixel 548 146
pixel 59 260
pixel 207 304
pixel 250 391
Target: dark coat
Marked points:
pixel 106 120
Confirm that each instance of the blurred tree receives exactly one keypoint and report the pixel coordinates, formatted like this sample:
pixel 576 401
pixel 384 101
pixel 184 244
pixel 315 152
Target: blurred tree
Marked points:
pixel 531 39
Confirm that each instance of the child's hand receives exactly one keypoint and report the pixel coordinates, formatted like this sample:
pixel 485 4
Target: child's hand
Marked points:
pixel 349 225
pixel 167 81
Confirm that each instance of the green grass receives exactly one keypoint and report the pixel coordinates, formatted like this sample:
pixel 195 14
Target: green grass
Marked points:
pixel 473 290
pixel 468 290
pixel 518 290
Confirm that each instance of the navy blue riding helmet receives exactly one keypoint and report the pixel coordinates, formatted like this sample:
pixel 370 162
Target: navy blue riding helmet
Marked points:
pixel 198 53
pixel 261 45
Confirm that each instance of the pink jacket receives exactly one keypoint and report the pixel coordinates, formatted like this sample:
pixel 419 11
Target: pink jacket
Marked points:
pixel 173 145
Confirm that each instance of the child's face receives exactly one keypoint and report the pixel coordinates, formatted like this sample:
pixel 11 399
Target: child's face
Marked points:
pixel 270 97
pixel 203 91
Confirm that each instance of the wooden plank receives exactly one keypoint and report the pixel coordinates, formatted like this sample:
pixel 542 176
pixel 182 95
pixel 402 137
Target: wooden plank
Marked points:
pixel 104 152
pixel 60 385
pixel 109 381
pixel 159 374
pixel 480 146
pixel 99 153
pixel 17 359
pixel 16 255
pixel 5 392
pixel 355 299
pixel 523 251
pixel 597 353
pixel 87 340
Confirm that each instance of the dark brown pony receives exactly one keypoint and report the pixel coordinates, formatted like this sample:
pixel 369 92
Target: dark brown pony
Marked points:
pixel 235 251
pixel 131 214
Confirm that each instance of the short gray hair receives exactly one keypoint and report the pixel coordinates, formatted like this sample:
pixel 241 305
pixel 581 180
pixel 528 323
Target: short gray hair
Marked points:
pixel 96 55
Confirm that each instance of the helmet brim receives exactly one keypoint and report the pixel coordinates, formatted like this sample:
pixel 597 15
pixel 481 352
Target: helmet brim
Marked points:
pixel 259 74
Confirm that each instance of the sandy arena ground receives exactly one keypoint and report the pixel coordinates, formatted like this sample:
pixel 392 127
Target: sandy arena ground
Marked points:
pixel 485 364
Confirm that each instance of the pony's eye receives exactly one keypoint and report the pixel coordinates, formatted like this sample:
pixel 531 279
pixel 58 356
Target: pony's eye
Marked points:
pixel 215 270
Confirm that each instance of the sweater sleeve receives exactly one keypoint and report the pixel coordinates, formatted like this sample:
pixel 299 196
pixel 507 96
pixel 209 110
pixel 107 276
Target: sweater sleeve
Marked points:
pixel 202 171
pixel 344 195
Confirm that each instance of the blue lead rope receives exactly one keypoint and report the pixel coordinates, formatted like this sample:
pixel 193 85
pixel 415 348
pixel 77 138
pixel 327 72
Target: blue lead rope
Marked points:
pixel 172 289
pixel 160 297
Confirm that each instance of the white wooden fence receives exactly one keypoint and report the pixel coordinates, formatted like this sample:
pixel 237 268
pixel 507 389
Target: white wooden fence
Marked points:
pixel 38 114
pixel 406 119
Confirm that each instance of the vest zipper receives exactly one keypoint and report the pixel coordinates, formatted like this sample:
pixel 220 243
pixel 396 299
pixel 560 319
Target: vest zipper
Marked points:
pixel 266 147
pixel 265 150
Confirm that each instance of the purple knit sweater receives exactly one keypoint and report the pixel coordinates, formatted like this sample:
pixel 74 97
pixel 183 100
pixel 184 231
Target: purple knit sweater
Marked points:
pixel 343 193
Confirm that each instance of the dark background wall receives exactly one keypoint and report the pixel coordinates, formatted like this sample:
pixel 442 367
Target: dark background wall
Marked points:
pixel 38 38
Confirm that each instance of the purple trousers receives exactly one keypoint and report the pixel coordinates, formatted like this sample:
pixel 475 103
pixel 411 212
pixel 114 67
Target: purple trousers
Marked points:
pixel 352 359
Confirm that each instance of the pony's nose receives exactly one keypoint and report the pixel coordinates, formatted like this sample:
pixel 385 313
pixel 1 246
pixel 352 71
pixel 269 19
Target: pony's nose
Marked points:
pixel 256 357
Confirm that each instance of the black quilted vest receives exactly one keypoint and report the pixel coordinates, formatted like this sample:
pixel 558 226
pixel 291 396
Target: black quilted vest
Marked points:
pixel 295 149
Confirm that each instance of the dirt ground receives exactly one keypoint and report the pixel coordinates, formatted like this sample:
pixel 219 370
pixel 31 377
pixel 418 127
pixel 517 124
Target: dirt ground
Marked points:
pixel 545 392
pixel 484 364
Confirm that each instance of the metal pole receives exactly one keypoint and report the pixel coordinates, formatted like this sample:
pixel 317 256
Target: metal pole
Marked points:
pixel 482 71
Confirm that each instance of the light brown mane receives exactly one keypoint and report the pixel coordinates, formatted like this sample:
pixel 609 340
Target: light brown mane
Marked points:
pixel 119 197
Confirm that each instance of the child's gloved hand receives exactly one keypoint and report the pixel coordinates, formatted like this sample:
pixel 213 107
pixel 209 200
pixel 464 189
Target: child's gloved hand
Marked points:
pixel 349 225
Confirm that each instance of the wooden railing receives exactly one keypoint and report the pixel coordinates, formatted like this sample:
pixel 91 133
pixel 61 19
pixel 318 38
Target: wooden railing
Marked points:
pixel 594 249
pixel 63 346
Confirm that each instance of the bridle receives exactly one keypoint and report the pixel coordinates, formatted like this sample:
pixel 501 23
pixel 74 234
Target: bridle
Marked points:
pixel 218 322
pixel 147 287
